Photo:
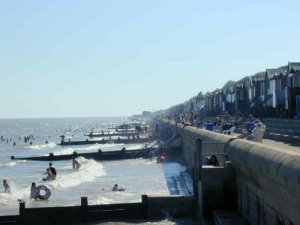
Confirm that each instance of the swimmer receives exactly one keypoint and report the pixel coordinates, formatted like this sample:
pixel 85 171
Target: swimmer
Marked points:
pixel 49 175
pixel 53 171
pixel 6 187
pixel 75 163
pixel 116 188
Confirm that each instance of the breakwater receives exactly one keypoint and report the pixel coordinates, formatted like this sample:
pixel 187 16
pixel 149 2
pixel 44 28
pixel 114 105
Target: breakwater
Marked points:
pixel 99 155
pixel 261 182
pixel 115 141
pixel 151 207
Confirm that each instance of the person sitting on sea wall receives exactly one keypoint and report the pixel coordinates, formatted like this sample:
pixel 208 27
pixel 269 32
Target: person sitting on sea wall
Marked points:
pixel 258 132
pixel 250 123
pixel 212 160
pixel 227 119
pixel 208 125
pixel 6 187
pixel 254 131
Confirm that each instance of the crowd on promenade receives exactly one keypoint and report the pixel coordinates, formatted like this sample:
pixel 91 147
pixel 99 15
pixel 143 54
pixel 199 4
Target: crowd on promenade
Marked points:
pixel 253 129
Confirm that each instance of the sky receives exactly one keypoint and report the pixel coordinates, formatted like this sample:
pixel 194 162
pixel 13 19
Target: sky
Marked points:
pixel 120 57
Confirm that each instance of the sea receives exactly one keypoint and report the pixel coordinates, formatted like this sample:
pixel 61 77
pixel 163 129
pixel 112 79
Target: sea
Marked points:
pixel 93 180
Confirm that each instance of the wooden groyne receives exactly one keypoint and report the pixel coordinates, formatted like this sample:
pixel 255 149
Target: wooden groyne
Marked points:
pixel 103 141
pixel 112 134
pixel 99 155
pixel 149 208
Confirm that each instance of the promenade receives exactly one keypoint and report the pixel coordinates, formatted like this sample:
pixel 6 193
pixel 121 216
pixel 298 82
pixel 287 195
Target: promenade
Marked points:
pixel 281 145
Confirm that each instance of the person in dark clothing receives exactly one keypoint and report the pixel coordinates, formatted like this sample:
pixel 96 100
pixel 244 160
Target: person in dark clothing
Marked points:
pixel 6 186
pixel 212 160
pixel 53 171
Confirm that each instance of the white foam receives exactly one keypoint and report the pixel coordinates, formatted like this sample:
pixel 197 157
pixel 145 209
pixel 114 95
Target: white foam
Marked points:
pixel 64 151
pixel 8 164
pixel 89 171
pixel 97 146
pixel 101 200
pixel 41 146
pixel 33 147
pixel 139 146
pixel 51 145
pixel 15 195
pixel 12 163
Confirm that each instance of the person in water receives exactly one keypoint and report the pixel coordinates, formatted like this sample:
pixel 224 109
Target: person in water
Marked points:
pixel 76 164
pixel 6 186
pixel 49 175
pixel 53 171
pixel 33 191
pixel 116 188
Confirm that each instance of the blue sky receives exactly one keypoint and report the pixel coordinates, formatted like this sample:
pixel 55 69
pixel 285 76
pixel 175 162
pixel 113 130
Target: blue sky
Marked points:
pixel 118 58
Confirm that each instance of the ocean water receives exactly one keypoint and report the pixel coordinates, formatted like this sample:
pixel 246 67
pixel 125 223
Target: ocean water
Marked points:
pixel 94 179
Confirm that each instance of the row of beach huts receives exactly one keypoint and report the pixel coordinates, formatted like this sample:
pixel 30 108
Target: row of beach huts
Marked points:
pixel 271 93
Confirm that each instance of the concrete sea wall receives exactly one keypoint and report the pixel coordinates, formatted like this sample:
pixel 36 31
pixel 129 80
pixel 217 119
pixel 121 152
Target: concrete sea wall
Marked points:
pixel 266 179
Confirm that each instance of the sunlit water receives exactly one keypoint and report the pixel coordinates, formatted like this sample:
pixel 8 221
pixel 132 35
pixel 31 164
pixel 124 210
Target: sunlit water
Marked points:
pixel 94 179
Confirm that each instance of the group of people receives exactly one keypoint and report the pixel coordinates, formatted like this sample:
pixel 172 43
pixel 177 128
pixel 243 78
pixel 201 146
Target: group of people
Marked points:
pixel 190 119
pixel 51 173
pixel 254 129
pixel 33 189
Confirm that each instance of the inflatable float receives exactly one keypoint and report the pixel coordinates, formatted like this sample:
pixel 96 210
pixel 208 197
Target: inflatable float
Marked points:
pixel 43 193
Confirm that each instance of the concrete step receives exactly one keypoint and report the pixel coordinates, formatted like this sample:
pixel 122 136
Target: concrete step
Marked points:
pixel 173 186
pixel 181 186
pixel 188 182
pixel 228 217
